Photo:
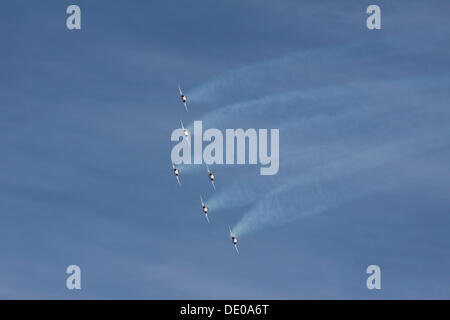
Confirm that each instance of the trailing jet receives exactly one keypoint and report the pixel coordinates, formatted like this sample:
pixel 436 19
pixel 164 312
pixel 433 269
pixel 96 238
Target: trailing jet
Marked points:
pixel 186 132
pixel 177 172
pixel 204 208
pixel 211 177
pixel 183 98
pixel 234 240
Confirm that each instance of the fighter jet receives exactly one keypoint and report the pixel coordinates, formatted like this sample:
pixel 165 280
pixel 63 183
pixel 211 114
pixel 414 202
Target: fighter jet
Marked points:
pixel 177 172
pixel 186 132
pixel 211 177
pixel 205 209
pixel 183 98
pixel 234 240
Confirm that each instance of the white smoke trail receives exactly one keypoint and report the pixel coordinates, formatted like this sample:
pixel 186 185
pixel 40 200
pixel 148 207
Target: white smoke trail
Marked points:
pixel 292 103
pixel 283 70
pixel 393 114
pixel 273 106
pixel 288 70
pixel 351 131
pixel 315 108
pixel 280 209
pixel 269 212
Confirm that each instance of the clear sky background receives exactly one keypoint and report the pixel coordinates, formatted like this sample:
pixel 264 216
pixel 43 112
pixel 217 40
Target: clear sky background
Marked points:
pixel 85 172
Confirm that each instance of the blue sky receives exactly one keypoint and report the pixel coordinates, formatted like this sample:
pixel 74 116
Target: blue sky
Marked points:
pixel 85 125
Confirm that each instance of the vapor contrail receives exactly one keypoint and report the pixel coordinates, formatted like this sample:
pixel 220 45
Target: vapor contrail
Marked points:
pixel 279 71
pixel 325 107
pixel 344 129
pixel 275 107
pixel 271 212
pixel 288 70
pixel 282 105
pixel 346 133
